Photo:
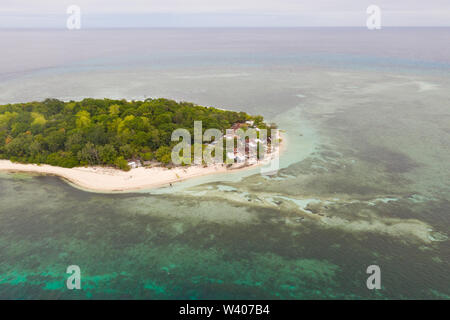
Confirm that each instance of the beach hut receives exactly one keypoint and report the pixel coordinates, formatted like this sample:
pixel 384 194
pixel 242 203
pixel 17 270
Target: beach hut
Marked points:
pixel 240 158
pixel 231 155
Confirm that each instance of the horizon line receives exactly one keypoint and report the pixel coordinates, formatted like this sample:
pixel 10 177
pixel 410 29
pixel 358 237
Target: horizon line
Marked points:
pixel 217 27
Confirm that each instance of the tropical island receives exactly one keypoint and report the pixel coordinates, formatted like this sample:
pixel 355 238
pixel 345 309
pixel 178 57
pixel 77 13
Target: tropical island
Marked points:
pixel 95 142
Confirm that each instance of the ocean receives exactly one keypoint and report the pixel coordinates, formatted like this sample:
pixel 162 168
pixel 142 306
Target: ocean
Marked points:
pixel 364 179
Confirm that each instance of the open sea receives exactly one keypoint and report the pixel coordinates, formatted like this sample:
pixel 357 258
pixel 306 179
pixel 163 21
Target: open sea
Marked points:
pixel 364 179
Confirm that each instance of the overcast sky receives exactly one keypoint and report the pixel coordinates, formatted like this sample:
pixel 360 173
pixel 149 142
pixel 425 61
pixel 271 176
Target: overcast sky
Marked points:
pixel 222 13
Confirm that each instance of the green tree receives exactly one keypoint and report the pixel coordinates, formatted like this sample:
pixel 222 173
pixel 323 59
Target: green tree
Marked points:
pixel 89 154
pixel 107 154
pixel 164 154
pixel 122 164
pixel 55 140
pixel 83 119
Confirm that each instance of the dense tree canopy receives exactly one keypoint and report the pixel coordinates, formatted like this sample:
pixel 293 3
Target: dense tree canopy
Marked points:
pixel 102 132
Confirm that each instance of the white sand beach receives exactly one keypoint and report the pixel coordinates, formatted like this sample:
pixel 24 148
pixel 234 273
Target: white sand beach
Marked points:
pixel 105 179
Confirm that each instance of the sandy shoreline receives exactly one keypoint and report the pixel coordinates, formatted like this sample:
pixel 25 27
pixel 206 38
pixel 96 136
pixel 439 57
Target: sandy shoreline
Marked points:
pixel 104 179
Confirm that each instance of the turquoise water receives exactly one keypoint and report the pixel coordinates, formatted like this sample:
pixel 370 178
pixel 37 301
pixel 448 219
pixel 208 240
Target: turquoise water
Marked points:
pixel 167 247
pixel 364 179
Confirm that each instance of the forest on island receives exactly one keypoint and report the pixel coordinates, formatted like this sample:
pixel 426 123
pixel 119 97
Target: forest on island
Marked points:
pixel 103 131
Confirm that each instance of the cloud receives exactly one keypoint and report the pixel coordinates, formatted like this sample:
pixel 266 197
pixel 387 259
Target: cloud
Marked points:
pixel 277 12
